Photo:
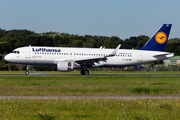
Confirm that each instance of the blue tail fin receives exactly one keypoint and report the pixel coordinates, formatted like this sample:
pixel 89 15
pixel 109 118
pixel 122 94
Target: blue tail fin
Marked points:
pixel 159 40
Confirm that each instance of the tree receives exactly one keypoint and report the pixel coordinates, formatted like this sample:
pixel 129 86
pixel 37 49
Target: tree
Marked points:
pixel 77 43
pixel 142 39
pixel 131 42
pixel 173 45
pixel 37 40
pixel 2 33
pixel 21 34
pixel 108 43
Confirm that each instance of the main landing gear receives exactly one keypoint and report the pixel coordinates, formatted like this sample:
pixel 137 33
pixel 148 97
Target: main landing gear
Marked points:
pixel 84 72
pixel 27 70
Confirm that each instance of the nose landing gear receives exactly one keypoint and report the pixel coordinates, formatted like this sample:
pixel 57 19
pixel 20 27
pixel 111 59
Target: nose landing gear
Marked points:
pixel 27 70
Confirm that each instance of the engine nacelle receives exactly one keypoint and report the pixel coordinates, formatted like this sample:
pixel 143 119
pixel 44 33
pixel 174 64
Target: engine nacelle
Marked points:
pixel 65 66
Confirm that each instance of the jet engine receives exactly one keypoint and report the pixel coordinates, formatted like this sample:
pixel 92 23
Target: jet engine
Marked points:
pixel 65 66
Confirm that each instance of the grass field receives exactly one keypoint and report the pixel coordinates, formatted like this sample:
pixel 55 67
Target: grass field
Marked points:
pixel 96 109
pixel 89 85
pixel 90 109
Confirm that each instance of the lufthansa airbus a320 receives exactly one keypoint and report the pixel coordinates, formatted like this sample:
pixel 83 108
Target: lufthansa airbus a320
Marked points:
pixel 68 58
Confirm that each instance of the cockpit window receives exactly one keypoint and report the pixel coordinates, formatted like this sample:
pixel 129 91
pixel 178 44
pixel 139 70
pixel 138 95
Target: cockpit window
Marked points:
pixel 16 52
pixel 13 52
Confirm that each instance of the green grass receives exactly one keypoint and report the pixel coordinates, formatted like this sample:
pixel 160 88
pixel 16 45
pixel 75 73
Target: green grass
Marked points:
pixel 84 109
pixel 89 85
pixel 90 109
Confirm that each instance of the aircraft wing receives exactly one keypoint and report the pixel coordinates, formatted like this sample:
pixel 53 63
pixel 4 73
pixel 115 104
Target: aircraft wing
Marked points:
pixel 92 60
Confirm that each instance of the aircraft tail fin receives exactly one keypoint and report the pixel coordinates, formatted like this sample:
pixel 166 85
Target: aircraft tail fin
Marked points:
pixel 159 40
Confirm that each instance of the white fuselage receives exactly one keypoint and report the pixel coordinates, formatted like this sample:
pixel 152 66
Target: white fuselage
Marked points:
pixel 52 55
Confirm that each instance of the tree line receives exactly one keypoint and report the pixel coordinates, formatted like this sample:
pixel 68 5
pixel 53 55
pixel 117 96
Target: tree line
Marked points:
pixel 11 39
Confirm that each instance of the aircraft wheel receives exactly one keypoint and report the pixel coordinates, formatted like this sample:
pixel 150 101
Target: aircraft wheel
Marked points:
pixel 27 72
pixel 86 72
pixel 82 72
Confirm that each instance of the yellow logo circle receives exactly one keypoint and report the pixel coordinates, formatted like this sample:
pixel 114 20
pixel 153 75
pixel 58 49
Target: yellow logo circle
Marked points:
pixel 161 37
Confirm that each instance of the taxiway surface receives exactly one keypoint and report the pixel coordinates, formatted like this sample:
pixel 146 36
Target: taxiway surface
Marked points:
pixel 41 74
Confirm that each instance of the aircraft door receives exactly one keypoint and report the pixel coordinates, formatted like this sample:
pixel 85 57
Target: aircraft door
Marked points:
pixel 139 56
pixel 28 52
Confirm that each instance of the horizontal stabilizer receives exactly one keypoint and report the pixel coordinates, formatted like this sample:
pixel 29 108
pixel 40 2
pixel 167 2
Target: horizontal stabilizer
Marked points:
pixel 165 54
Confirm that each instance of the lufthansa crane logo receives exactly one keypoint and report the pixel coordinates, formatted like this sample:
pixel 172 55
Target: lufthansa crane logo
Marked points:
pixel 161 37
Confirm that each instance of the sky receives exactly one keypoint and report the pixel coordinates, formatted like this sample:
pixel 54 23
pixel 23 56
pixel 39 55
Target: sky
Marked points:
pixel 122 18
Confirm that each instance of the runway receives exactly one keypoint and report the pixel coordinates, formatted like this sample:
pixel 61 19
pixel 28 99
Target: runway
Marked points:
pixel 87 97
pixel 42 74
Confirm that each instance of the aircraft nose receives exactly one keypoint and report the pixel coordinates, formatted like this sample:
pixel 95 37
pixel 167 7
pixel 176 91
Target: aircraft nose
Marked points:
pixel 7 57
